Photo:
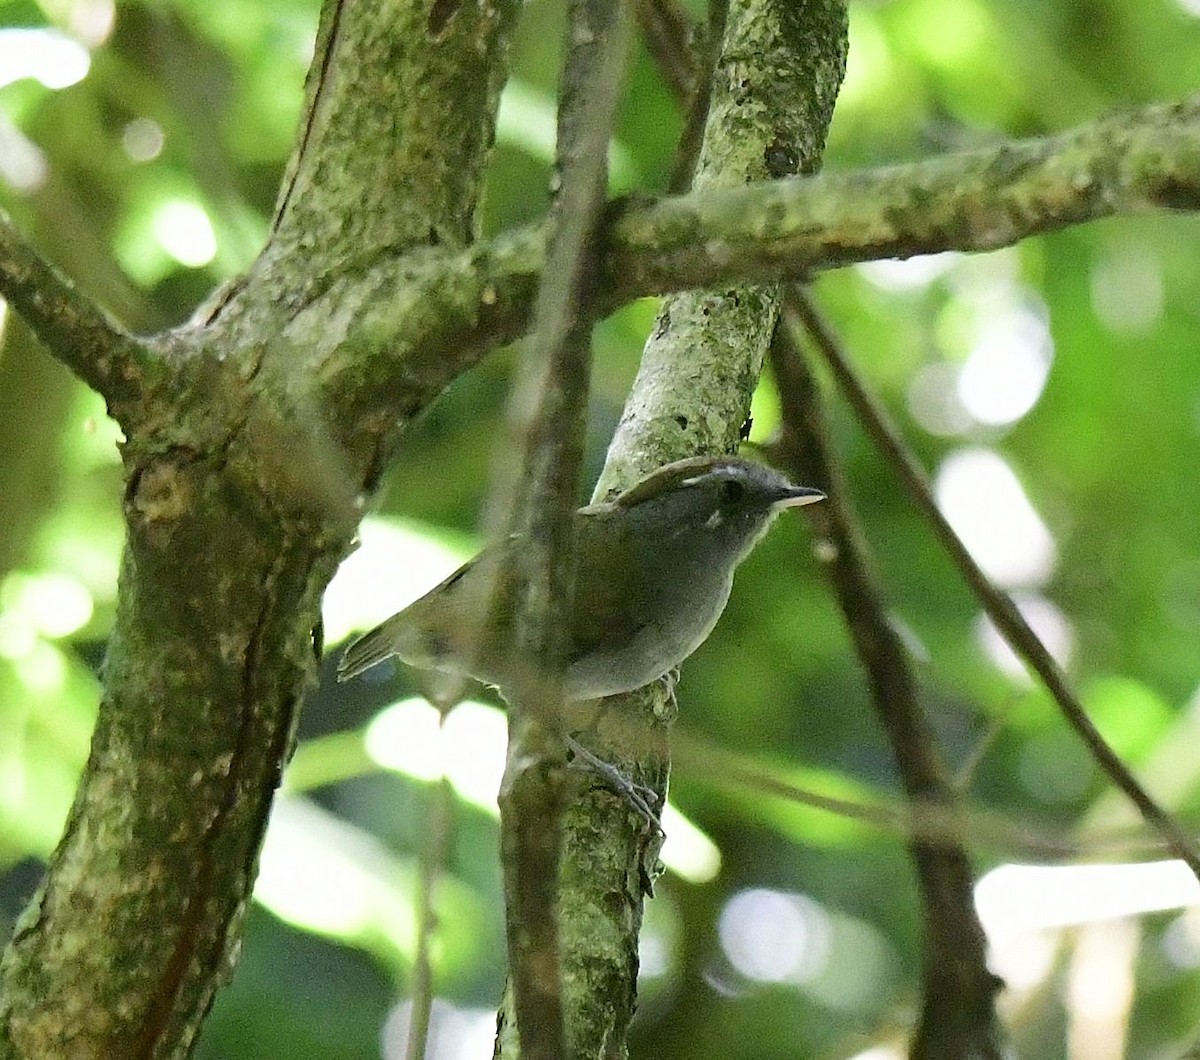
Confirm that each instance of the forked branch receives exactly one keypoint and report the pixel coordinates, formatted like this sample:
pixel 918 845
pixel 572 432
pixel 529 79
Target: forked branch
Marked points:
pixel 112 362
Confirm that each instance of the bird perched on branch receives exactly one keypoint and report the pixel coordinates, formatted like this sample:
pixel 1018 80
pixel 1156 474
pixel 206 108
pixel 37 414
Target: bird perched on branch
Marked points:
pixel 653 572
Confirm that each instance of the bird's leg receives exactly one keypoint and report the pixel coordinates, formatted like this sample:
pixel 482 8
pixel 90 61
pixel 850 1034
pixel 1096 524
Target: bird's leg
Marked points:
pixel 641 798
pixel 670 681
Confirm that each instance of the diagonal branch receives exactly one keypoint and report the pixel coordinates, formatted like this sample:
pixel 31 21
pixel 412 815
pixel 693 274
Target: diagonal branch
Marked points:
pixel 999 608
pixel 669 36
pixel 957 1017
pixel 428 317
pixel 73 328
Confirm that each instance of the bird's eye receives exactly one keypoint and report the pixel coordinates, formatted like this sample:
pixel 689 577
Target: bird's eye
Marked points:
pixel 732 491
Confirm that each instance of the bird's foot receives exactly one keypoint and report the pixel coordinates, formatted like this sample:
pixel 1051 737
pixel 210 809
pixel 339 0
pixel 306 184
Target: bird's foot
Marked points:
pixel 642 799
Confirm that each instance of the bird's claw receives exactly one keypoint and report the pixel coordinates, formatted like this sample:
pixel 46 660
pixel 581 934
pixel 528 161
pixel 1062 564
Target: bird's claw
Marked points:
pixel 643 799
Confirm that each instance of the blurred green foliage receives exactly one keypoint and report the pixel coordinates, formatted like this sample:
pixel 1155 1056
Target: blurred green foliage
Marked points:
pixel 151 179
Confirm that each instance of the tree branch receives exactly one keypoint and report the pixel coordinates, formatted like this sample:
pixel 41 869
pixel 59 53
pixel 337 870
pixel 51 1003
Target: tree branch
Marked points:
pixel 413 324
pixel 957 1014
pixel 237 510
pixel 998 606
pixel 610 858
pixel 437 821
pixel 552 1021
pixel 969 201
pixel 447 63
pixel 700 365
pixel 388 164
pixel 667 31
pixel 419 322
pixel 113 363
pixel 931 821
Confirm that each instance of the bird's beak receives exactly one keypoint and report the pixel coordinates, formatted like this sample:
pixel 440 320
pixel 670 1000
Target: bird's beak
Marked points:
pixel 798 496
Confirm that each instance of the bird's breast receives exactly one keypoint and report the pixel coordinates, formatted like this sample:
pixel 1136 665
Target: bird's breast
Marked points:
pixel 673 618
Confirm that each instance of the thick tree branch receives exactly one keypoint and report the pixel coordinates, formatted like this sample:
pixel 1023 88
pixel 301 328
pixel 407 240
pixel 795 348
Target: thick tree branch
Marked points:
pixel 999 607
pixel 238 506
pixel 410 326
pixel 389 162
pixel 957 1015
pixel 771 102
pixel 609 855
pixel 116 365
pixel 957 1012
pixel 969 201
pixel 446 62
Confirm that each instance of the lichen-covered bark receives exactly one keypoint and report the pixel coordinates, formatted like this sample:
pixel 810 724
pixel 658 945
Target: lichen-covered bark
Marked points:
pixel 380 340
pixel 778 75
pixel 241 496
pixel 776 79
pixel 136 922
pixel 391 149
pixel 407 326
pixel 253 432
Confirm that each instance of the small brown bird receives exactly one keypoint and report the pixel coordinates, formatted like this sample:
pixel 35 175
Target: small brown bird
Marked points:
pixel 654 568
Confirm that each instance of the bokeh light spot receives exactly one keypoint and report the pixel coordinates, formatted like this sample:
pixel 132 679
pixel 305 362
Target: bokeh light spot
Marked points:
pixel 1007 369
pixel 46 55
pixel 987 507
pixel 774 937
pixel 184 231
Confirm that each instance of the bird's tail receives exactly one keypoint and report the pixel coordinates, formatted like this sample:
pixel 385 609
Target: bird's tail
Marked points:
pixel 369 649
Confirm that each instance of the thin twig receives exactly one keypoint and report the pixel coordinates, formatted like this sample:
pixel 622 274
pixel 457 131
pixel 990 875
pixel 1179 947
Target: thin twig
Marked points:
pixel 684 56
pixel 531 802
pixel 432 863
pixel 920 819
pixel 998 606
pixel 670 38
pixel 73 328
pixel 709 764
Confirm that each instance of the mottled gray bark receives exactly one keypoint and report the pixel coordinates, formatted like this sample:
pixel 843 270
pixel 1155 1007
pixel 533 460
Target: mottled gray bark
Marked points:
pixel 241 496
pixel 253 433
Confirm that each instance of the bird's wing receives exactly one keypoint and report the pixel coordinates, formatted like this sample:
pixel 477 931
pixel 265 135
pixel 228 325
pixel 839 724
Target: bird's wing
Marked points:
pixel 432 627
pixel 607 609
